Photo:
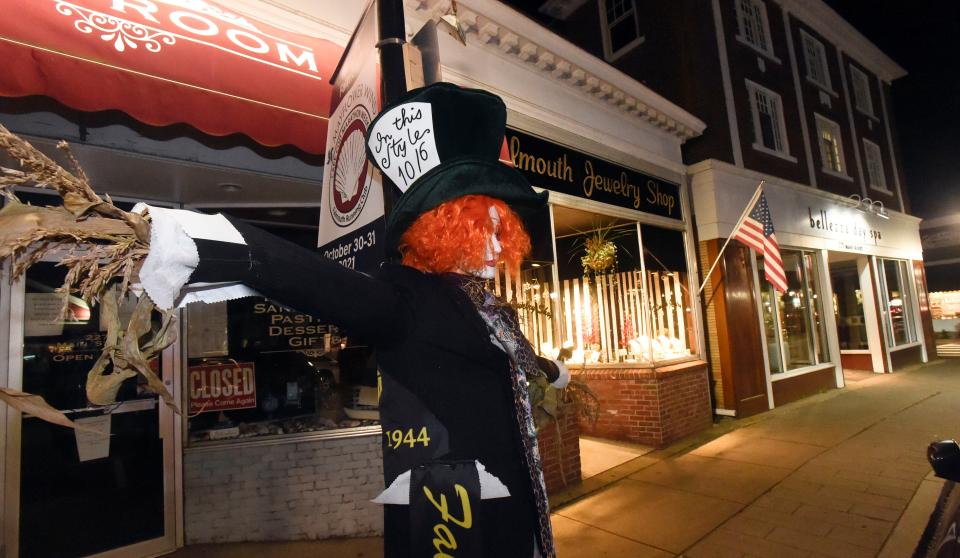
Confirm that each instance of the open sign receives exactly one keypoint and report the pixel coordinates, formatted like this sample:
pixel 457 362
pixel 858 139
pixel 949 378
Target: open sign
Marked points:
pixel 218 387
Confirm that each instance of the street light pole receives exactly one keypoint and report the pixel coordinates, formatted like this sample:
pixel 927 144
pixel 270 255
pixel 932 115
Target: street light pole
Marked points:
pixel 393 82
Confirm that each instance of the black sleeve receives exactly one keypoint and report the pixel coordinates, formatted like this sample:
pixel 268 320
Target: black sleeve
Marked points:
pixel 303 280
pixel 549 368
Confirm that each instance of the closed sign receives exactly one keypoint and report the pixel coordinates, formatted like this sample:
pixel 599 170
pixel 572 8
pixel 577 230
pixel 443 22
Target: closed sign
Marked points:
pixel 218 387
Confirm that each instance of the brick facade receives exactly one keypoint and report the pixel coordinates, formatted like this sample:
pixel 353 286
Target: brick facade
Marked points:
pixel 652 406
pixel 561 464
pixel 314 489
pixel 285 491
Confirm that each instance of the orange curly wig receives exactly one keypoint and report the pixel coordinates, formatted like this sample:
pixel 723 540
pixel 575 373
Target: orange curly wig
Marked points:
pixel 453 236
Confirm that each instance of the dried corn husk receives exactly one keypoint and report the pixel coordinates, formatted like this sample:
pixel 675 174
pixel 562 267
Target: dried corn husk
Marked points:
pixel 102 247
pixel 35 405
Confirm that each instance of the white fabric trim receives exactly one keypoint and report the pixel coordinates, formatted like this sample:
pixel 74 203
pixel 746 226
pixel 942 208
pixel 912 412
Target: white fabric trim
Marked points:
pixel 564 378
pixel 213 292
pixel 173 256
pixel 399 490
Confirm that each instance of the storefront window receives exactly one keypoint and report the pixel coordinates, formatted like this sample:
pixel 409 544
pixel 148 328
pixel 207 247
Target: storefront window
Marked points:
pixel 610 304
pixel 665 264
pixel 897 301
pixel 793 320
pixel 256 368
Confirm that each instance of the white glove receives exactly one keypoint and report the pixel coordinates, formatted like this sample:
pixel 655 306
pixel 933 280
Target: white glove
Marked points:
pixel 564 378
pixel 173 254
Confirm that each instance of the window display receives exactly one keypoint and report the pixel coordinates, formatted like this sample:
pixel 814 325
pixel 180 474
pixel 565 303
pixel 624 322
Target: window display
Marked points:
pixel 608 305
pixel 793 320
pixel 256 368
pixel 897 301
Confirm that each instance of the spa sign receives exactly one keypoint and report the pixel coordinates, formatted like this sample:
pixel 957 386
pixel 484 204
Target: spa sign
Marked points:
pixel 564 170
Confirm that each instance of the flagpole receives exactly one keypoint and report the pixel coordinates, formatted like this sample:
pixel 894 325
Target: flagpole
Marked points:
pixel 746 211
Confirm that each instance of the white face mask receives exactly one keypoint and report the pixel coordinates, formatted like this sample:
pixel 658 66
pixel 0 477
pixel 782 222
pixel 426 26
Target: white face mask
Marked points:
pixel 492 255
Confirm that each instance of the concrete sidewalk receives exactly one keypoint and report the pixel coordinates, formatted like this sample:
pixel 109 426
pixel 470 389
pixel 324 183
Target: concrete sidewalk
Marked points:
pixel 832 475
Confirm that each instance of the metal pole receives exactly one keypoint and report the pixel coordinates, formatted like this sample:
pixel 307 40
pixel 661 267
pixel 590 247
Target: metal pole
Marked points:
pixel 393 80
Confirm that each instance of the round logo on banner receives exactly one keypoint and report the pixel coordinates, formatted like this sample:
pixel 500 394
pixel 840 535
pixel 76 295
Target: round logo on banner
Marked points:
pixel 350 175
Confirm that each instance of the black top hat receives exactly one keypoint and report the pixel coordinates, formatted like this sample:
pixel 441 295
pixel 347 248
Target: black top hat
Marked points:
pixel 460 134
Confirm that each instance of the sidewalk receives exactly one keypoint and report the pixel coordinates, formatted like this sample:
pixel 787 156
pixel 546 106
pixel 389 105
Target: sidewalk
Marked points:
pixel 831 475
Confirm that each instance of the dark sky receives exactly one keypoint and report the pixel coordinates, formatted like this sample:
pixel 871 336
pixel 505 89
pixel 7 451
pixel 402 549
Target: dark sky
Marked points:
pixel 923 36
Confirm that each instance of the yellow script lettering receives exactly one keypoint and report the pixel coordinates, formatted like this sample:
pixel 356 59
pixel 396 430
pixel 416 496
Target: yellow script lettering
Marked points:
pixel 467 520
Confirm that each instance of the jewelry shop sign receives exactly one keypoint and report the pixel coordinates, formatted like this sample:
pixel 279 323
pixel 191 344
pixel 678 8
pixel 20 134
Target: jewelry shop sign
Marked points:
pixel 564 170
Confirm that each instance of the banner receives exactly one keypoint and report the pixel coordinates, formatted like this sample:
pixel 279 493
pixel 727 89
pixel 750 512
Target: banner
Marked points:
pixel 351 212
pixel 219 387
pixel 445 510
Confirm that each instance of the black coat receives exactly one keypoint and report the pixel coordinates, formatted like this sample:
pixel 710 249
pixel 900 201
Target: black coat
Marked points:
pixel 438 364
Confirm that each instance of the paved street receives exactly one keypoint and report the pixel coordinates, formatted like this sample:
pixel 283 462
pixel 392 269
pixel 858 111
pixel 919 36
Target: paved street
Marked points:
pixel 833 475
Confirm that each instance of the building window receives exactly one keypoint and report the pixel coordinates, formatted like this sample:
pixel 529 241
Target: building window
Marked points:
pixel 753 25
pixel 878 180
pixel 768 125
pixel 621 27
pixel 831 146
pixel 816 59
pixel 897 301
pixel 793 320
pixel 622 295
pixel 257 368
pixel 861 91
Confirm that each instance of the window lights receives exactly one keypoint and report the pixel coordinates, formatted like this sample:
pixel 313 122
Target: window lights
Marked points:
pixel 861 91
pixel 622 293
pixel 831 146
pixel 753 25
pixel 815 57
pixel 878 180
pixel 621 27
pixel 768 125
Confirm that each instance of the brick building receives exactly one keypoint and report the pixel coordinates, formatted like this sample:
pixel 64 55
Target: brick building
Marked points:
pixel 160 102
pixel 795 96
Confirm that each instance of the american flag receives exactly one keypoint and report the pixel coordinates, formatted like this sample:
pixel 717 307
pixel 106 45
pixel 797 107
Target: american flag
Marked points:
pixel 756 231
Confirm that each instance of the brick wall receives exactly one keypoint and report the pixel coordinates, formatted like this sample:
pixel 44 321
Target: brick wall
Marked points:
pixel 313 490
pixel 285 491
pixel 652 406
pixel 561 465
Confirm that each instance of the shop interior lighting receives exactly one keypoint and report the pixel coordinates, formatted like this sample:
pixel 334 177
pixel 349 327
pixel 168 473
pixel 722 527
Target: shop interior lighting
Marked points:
pixel 867 205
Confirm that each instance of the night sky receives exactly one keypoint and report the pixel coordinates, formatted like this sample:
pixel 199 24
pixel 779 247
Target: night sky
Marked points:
pixel 923 36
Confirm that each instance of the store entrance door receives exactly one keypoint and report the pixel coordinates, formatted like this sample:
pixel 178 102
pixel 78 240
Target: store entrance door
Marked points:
pixel 70 494
pixel 855 310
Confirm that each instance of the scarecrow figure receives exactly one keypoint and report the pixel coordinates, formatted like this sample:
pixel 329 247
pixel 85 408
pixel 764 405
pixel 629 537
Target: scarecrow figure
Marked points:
pixel 466 479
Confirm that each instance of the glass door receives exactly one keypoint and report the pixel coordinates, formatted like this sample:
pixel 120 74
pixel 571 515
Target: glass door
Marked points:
pixel 848 305
pixel 83 495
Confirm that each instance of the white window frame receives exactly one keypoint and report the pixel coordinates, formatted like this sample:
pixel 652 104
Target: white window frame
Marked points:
pixel 782 150
pixel 756 22
pixel 817 63
pixel 823 124
pixel 876 176
pixel 862 99
pixel 907 298
pixel 608 53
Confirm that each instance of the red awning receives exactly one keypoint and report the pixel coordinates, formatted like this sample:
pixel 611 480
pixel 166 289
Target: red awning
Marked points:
pixel 171 61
